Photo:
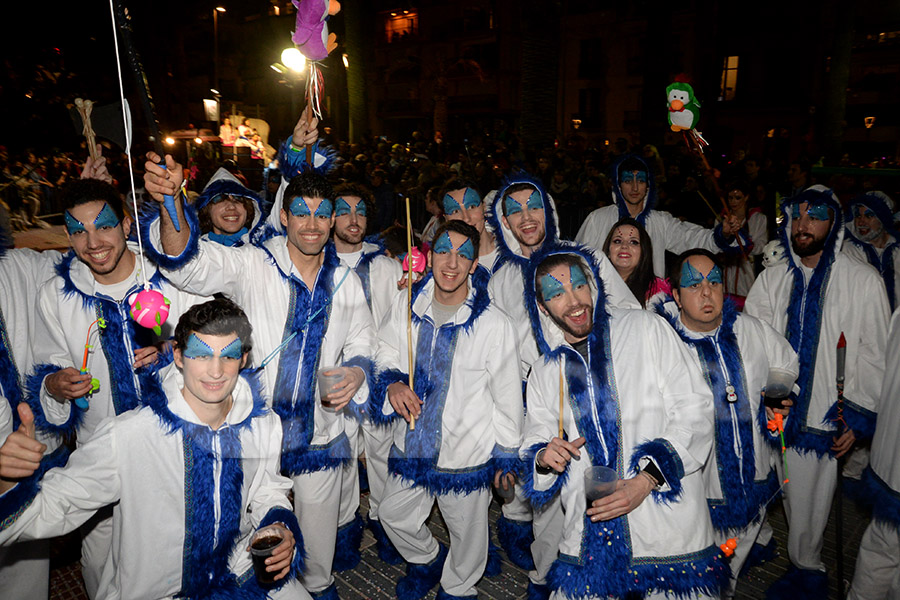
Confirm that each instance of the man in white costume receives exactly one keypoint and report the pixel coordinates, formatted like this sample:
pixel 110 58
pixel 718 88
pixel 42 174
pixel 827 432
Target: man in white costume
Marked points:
pixel 734 351
pixel 379 275
pixel 812 299
pixel 871 238
pixel 634 195
pixel 193 473
pixel 309 312
pixel 877 575
pixel 631 401
pixel 467 405
pixel 87 302
pixel 228 212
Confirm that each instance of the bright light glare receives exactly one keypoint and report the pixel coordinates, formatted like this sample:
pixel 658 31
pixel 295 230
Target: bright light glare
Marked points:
pixel 220 8
pixel 346 61
pixel 170 141
pixel 293 59
pixel 198 141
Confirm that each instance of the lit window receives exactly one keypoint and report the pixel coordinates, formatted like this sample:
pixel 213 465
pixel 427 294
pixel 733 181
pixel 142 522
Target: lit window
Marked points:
pixel 400 25
pixel 729 78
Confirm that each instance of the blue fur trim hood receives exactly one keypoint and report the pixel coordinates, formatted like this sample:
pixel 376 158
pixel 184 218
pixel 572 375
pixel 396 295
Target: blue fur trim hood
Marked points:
pixel 508 248
pixel 619 199
pixel 224 183
pixel 149 216
pixel 293 162
pixel 882 205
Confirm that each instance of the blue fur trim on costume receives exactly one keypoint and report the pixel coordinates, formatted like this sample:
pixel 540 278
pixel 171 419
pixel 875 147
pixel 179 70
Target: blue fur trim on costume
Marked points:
pixel 799 583
pixel 494 564
pixel 539 498
pixel 329 593
pixel 354 409
pixel 874 201
pixel 669 463
pixel 289 520
pixel 364 265
pixel 34 382
pixel 506 460
pixel 299 455
pixel 516 537
pixel 422 472
pixel 386 550
pixel 15 501
pixel 10 382
pixel 377 398
pixel 649 203
pixel 705 572
pixel 739 511
pixel 442 595
pixel 494 216
pixel 859 419
pixel 292 162
pixel 883 500
pixel 149 215
pixel 884 264
pixel 804 324
pixel 227 187
pixel 420 578
pixel 537 591
pixel 346 547
pixel 760 554
pixel 727 245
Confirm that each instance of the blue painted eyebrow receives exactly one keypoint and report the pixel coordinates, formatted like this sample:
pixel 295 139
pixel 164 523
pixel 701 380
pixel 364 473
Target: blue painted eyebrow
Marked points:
pixel 443 245
pixel 576 274
pixel 471 199
pixel 535 201
pixel 299 208
pixel 466 250
pixel 818 212
pixel 341 207
pixel 551 287
pixel 73 225
pixel 450 205
pixel 691 276
pixel 233 349
pixel 196 348
pixel 106 218
pixel 641 176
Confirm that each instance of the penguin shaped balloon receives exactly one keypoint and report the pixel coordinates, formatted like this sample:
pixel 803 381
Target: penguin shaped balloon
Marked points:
pixel 684 109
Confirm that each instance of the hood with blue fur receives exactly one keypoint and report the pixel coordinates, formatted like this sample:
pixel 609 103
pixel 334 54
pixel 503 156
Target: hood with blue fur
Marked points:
pixel 619 199
pixel 814 195
pixel 883 207
pixel 507 245
pixel 224 183
pixel 548 335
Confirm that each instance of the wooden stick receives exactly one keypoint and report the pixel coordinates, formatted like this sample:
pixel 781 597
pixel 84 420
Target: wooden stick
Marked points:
pixel 309 118
pixel 409 272
pixel 561 401
pixel 84 109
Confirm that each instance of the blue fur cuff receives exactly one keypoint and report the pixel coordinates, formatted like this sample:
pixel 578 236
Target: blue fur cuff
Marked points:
pixel 190 251
pixel 14 502
pixel 669 463
pixel 885 501
pixel 33 384
pixel 354 409
pixel 859 419
pixel 539 498
pixel 289 520
pixel 301 460
pixel 379 395
pixel 422 472
pixel 506 460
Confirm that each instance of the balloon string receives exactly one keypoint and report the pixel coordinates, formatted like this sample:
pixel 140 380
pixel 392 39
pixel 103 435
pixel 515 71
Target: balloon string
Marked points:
pixel 127 123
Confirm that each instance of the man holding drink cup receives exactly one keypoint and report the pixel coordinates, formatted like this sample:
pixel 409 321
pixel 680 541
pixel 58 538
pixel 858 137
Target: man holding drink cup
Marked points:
pixel 632 403
pixel 192 474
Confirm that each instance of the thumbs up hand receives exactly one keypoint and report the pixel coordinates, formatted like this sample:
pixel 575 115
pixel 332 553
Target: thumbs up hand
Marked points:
pixel 20 455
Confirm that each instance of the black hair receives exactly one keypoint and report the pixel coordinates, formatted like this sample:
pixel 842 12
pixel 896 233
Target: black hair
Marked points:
pixel 462 228
pixel 306 185
pixel 642 277
pixel 206 222
pixel 548 264
pixel 457 183
pixel 362 192
pixel 216 317
pixel 741 186
pixel 394 238
pixel 675 271
pixel 82 191
pixel 516 187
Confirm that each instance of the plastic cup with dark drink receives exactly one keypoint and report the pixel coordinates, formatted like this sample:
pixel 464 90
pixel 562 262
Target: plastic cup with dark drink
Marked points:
pixel 262 544
pixel 327 382
pixel 599 482
pixel 778 387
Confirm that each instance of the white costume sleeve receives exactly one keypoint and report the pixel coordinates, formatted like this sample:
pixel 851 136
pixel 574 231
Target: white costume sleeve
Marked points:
pixel 391 341
pixel 68 496
pixel 542 421
pixel 215 268
pixel 678 236
pixel 272 490
pixel 758 303
pixel 505 385
pixel 757 227
pixel 359 344
pixel 49 347
pixel 870 356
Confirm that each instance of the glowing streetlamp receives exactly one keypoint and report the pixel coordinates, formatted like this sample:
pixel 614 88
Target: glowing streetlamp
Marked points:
pixel 293 60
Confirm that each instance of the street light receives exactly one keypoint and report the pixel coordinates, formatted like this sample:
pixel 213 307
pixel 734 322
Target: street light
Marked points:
pixel 346 60
pixel 216 11
pixel 293 59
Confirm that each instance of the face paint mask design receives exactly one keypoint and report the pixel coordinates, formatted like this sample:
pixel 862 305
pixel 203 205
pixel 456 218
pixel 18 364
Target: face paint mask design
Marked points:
pixel 342 207
pixel 630 176
pixel 691 276
pixel 576 274
pixel 443 245
pixel 450 205
pixel 471 199
pixel 868 213
pixel 195 348
pixel 535 202
pixel 818 212
pixel 106 218
pixel 73 225
pixel 551 287
pixel 299 208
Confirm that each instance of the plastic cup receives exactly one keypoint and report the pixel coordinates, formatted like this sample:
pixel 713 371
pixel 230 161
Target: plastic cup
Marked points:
pixel 778 386
pixel 262 544
pixel 599 482
pixel 326 382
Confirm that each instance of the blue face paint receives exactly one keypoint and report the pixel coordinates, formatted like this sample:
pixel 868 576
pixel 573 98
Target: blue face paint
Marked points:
pixel 551 287
pixel 361 208
pixel 535 201
pixel 630 176
pixel 577 276
pixel 867 212
pixel 467 250
pixel 299 208
pixel 196 348
pixel 450 205
pixel 232 350
pixel 715 275
pixel 817 212
pixel 73 225
pixel 341 207
pixel 106 218
pixel 691 276
pixel 471 199
pixel 512 207
pixel 443 245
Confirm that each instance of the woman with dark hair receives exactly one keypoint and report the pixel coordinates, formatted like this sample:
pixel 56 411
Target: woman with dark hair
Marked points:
pixel 631 252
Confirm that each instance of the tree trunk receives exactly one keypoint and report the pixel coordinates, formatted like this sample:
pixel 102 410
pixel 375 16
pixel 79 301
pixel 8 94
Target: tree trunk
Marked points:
pixel 540 73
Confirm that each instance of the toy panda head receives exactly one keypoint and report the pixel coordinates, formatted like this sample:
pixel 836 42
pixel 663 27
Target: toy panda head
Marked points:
pixel 773 254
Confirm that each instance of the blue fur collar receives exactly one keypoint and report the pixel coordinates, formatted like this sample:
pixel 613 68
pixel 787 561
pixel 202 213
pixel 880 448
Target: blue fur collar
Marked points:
pixel 293 162
pixel 10 386
pixel 362 269
pixel 649 203
pixel 226 187
pixel 477 301
pixel 494 219
pixel 884 263
pixel 804 313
